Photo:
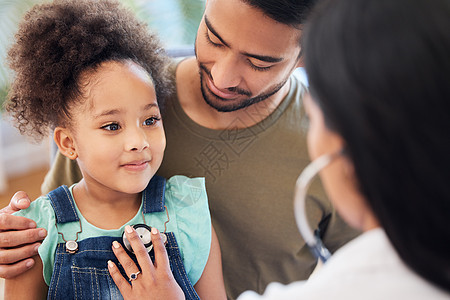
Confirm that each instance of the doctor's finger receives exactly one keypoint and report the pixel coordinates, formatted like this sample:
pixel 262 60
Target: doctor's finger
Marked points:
pixel 161 257
pixel 122 283
pixel 139 250
pixel 127 263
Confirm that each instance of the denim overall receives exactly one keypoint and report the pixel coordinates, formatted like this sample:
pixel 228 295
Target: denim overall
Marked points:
pixel 84 274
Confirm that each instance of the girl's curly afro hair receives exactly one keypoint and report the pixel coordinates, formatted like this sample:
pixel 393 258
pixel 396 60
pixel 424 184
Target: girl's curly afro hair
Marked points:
pixel 58 41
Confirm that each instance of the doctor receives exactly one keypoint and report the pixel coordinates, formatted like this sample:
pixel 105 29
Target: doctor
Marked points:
pixel 380 126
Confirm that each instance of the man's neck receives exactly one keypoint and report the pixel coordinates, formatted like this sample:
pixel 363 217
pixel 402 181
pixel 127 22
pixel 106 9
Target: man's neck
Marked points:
pixel 193 104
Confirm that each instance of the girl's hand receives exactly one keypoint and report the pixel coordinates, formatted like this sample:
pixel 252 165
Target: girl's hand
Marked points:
pixel 155 281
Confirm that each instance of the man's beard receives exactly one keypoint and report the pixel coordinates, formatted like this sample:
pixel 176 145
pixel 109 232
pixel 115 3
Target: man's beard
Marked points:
pixel 224 105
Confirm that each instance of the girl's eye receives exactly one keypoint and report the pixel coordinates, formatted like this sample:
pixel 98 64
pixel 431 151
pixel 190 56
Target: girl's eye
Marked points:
pixel 111 127
pixel 151 121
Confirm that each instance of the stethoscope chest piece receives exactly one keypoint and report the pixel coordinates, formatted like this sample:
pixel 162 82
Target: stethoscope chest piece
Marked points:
pixel 144 232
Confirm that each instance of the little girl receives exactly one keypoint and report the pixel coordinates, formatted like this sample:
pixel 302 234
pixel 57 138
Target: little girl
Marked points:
pixel 92 73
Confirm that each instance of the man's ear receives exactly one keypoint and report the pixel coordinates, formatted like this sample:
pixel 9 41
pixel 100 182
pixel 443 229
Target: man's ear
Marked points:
pixel 64 140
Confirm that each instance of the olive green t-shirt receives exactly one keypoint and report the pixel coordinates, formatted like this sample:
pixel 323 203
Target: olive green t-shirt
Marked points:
pixel 250 178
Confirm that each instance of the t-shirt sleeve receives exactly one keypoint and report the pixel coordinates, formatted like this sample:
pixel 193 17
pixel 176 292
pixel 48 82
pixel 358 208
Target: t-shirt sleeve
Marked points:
pixel 42 213
pixel 337 232
pixel 187 198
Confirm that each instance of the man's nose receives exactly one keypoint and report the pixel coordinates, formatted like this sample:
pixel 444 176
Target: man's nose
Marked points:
pixel 226 72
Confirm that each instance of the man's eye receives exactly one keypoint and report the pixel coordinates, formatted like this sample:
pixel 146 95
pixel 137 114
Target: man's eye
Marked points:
pixel 151 121
pixel 258 68
pixel 210 41
pixel 111 127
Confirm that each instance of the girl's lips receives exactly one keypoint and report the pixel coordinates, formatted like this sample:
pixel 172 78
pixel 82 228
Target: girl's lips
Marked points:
pixel 136 166
pixel 227 95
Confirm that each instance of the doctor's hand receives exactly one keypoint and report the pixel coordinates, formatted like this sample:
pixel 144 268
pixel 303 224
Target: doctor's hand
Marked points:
pixel 19 238
pixel 154 281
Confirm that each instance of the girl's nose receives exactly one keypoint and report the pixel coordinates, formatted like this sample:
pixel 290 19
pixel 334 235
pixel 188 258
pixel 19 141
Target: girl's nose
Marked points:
pixel 136 140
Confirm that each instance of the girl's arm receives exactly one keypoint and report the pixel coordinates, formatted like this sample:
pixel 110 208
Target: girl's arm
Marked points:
pixel 28 285
pixel 210 285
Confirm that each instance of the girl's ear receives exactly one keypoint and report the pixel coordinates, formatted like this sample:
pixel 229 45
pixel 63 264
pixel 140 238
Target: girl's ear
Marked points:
pixel 64 140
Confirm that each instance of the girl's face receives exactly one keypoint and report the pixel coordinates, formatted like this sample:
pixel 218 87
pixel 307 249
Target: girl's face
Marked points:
pixel 118 134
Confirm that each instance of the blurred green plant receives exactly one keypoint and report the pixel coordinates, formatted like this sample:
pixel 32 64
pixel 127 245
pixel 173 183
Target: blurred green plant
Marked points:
pixel 175 21
pixel 3 93
pixel 11 11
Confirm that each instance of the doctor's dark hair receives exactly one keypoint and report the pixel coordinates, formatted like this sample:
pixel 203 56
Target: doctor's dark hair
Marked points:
pixel 380 70
pixel 59 42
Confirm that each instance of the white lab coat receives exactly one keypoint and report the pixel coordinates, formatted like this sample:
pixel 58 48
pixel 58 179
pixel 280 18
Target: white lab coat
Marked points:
pixel 366 268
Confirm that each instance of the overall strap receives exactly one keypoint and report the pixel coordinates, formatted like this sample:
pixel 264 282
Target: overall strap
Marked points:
pixel 153 195
pixel 63 205
pixel 178 269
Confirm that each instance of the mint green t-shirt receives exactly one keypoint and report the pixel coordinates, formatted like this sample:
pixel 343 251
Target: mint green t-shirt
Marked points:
pixel 187 205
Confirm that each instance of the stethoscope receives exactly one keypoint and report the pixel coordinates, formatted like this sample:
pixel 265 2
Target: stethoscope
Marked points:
pixel 312 238
pixel 145 234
